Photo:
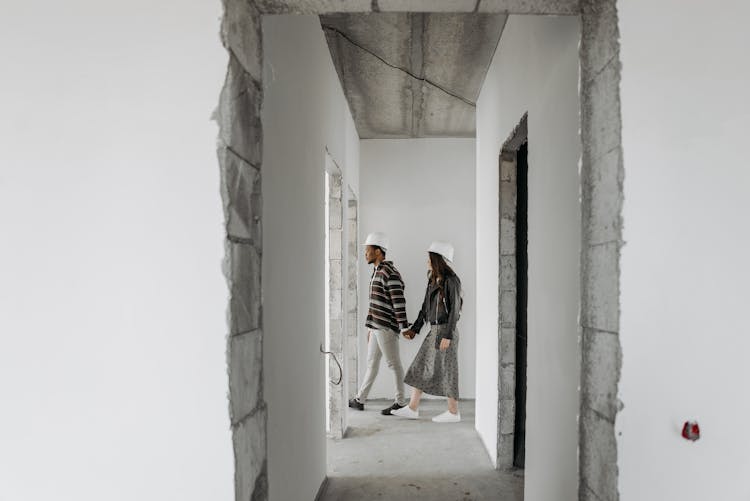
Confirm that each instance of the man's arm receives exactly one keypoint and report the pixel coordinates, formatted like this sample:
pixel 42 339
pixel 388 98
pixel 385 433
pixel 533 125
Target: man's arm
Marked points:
pixel 398 301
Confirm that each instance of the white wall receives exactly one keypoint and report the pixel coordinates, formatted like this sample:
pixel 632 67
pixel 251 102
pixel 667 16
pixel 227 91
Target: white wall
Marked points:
pixel 419 190
pixel 304 113
pixel 535 69
pixel 112 301
pixel 685 270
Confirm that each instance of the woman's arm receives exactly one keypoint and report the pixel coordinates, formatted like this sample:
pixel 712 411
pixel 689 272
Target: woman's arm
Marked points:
pixel 453 300
pixel 419 322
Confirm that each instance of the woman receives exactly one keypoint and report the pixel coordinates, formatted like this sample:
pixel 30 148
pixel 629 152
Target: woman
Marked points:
pixel 435 368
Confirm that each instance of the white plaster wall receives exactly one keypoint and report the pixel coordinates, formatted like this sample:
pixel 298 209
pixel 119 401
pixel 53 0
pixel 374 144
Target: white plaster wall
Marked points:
pixel 535 69
pixel 304 113
pixel 112 301
pixel 685 268
pixel 417 191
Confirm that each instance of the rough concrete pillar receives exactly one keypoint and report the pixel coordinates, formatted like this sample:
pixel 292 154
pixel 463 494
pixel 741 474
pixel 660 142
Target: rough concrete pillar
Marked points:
pixel 507 314
pixel 601 196
pixel 352 320
pixel 337 403
pixel 240 157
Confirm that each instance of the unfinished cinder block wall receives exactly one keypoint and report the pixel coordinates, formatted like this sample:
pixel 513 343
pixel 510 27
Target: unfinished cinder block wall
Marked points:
pixel 336 385
pixel 506 406
pixel 352 319
pixel 508 291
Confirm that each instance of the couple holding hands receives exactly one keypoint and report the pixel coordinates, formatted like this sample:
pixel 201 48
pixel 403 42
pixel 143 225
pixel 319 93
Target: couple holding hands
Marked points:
pixel 435 368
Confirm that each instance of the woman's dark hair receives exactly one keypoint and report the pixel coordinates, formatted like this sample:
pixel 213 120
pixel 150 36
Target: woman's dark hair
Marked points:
pixel 440 269
pixel 382 250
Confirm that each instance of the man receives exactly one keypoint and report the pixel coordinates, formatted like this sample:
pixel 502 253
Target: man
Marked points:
pixel 385 318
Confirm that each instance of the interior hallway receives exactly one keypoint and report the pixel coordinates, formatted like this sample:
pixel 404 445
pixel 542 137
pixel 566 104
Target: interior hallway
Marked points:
pixel 384 457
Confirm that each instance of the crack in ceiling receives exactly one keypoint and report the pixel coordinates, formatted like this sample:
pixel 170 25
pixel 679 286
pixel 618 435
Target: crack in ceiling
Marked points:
pixel 440 61
pixel 408 72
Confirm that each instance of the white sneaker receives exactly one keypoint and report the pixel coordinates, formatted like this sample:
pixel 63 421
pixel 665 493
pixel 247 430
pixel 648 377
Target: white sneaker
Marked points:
pixel 406 412
pixel 447 417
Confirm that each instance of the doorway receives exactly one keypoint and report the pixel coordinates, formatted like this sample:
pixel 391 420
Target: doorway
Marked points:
pixel 374 459
pixel 601 198
pixel 522 275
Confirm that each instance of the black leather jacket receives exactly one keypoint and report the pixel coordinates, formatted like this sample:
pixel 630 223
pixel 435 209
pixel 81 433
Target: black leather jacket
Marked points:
pixel 441 306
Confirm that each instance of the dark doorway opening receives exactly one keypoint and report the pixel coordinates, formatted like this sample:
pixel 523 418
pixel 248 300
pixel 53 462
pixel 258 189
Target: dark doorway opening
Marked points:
pixel 522 220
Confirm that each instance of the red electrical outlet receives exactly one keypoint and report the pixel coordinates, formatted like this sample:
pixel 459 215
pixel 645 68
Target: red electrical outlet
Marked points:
pixel 691 431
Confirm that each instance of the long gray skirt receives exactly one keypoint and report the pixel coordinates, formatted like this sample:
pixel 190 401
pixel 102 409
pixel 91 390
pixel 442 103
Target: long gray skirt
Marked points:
pixel 434 371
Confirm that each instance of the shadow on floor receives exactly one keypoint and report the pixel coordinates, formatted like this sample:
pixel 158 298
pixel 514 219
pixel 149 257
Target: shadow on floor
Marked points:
pixel 385 457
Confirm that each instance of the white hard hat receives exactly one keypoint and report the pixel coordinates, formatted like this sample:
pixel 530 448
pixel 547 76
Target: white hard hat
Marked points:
pixel 378 239
pixel 443 248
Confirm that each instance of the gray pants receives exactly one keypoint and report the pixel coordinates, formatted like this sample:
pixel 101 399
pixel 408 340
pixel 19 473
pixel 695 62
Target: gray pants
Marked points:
pixel 383 342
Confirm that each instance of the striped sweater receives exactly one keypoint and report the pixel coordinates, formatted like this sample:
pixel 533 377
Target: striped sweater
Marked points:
pixel 387 303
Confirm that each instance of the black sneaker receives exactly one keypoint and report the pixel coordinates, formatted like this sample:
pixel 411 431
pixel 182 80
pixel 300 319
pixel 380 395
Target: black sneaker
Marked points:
pixel 395 406
pixel 356 404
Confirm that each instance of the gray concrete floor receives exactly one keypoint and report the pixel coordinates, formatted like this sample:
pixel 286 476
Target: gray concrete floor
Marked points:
pixel 389 458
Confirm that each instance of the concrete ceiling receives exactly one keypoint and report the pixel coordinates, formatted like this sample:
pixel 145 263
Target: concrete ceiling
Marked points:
pixel 412 74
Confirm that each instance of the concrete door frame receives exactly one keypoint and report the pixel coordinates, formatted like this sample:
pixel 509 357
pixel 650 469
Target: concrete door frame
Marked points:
pixel 352 304
pixel 507 294
pixel 335 300
pixel 602 172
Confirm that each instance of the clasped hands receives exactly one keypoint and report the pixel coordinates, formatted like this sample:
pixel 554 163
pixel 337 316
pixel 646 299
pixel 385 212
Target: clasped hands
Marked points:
pixel 409 334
